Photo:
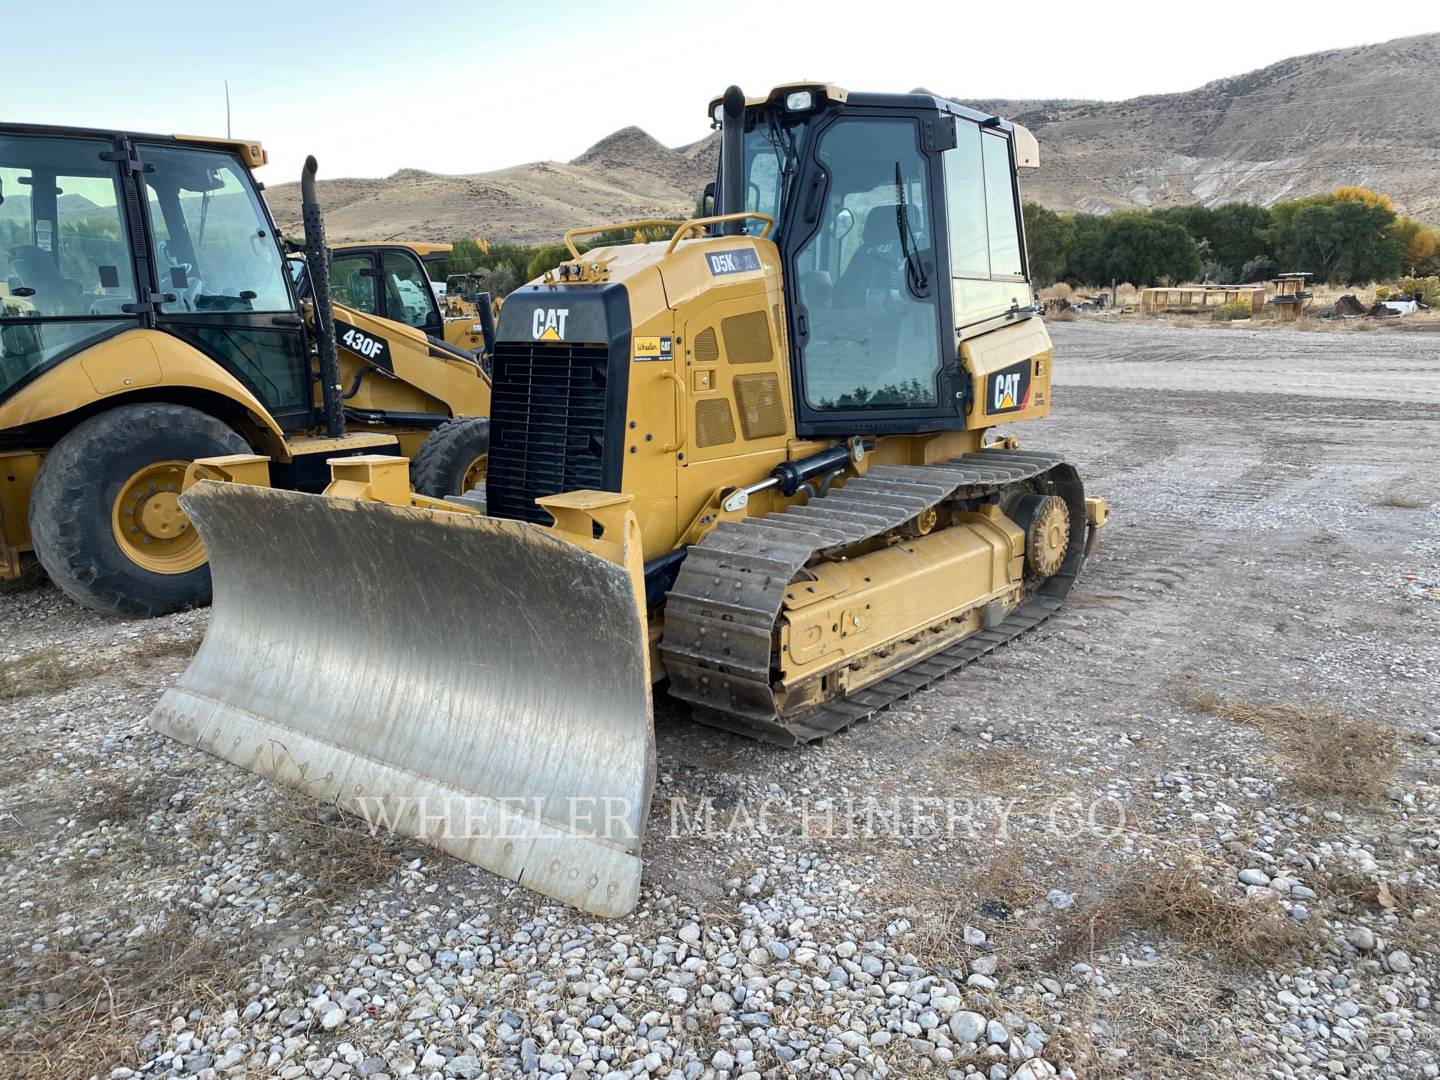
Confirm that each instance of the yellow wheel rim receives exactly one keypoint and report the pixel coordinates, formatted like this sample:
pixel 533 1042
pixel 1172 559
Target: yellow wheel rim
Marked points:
pixel 474 473
pixel 149 526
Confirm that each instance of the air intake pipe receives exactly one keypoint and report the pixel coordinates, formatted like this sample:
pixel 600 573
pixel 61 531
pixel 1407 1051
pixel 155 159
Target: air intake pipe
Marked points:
pixel 732 159
pixel 317 260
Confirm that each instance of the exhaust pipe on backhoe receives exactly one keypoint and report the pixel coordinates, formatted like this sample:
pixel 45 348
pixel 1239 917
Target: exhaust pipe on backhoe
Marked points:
pixel 317 261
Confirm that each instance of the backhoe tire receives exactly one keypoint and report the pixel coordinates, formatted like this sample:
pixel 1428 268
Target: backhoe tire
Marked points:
pixel 103 516
pixel 451 461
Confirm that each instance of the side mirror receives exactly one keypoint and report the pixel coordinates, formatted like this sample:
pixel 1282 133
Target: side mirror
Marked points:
pixel 844 222
pixel 707 200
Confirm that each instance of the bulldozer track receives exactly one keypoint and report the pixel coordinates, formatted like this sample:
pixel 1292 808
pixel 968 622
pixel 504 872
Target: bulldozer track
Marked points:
pixel 721 614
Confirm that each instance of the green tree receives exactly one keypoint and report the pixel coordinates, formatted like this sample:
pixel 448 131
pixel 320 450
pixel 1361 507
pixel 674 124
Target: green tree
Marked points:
pixel 544 259
pixel 1197 220
pixel 1343 240
pixel 1146 250
pixel 1238 233
pixel 1048 239
pixel 1088 261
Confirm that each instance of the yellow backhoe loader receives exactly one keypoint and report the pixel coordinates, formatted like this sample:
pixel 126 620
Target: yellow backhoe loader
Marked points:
pixel 146 320
pixel 754 459
pixel 389 280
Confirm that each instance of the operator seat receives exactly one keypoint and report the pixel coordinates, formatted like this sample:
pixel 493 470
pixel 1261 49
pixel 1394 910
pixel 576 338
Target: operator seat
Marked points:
pixel 876 262
pixel 55 294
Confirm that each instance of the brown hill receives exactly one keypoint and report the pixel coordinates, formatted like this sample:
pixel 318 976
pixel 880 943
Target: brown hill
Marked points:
pixel 625 176
pixel 1364 115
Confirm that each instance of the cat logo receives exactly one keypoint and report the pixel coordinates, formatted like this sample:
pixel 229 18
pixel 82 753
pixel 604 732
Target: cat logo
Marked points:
pixel 1009 389
pixel 548 324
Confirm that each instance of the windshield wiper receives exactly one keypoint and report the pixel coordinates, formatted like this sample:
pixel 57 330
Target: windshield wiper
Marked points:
pixel 915 275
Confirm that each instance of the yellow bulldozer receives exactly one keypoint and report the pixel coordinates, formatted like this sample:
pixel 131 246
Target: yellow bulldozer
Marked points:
pixel 147 319
pixel 754 460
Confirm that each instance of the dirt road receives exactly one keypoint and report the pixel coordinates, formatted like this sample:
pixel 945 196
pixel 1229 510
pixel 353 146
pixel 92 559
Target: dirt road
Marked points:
pixel 1383 364
pixel 1186 828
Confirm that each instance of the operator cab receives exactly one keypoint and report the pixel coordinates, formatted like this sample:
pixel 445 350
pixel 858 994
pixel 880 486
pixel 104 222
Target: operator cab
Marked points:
pixel 898 221
pixel 102 232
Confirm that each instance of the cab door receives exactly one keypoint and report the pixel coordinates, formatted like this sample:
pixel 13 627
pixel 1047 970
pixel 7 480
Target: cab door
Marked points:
pixel 67 275
pixel 221 282
pixel 388 282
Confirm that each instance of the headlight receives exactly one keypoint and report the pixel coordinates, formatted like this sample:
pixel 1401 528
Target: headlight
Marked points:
pixel 799 100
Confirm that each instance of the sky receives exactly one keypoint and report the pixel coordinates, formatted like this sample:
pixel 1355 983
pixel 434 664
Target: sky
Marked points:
pixel 370 87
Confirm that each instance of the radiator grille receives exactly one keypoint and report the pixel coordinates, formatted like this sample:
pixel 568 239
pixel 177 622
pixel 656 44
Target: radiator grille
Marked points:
pixel 547 424
pixel 747 338
pixel 707 348
pixel 713 424
pixel 762 414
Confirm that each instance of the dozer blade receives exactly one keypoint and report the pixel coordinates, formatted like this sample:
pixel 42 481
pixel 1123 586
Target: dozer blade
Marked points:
pixel 476 683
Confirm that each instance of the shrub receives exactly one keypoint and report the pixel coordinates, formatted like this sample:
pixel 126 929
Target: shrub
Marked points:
pixel 1426 288
pixel 1231 312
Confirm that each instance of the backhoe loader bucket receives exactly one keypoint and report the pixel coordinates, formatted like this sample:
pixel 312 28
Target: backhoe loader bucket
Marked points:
pixel 479 684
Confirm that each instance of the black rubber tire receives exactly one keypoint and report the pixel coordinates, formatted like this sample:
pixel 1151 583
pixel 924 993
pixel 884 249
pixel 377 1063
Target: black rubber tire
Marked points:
pixel 75 492
pixel 439 468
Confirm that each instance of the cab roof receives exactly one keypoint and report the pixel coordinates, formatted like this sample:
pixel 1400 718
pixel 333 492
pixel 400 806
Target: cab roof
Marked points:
pixel 425 251
pixel 249 150
pixel 1027 148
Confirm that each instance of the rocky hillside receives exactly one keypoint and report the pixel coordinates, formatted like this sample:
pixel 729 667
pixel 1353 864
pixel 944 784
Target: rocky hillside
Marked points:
pixel 625 176
pixel 1366 115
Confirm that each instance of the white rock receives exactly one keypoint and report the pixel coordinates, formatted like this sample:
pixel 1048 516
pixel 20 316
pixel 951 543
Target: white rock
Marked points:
pixel 1252 876
pixel 984 965
pixel 1362 937
pixel 1399 962
pixel 967 1027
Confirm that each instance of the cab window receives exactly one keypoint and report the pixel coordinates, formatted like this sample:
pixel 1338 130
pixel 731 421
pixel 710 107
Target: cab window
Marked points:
pixel 352 283
pixel 408 296
pixel 214 248
pixel 64 249
pixel 873 318
pixel 986 255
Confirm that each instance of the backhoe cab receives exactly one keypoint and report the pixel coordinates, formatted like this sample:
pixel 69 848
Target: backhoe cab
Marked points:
pixel 147 319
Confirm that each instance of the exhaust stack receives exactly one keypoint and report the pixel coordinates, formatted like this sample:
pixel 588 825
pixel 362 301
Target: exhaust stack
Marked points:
pixel 732 159
pixel 317 259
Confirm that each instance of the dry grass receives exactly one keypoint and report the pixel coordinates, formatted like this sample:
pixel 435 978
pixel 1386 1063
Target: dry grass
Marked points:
pixel 52 669
pixel 1068 315
pixel 1399 500
pixel 64 1015
pixel 939 905
pixel 334 850
pixel 42 671
pixel 1176 904
pixel 154 649
pixel 1325 751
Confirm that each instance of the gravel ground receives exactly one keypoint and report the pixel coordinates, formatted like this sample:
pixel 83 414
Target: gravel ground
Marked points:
pixel 1187 828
